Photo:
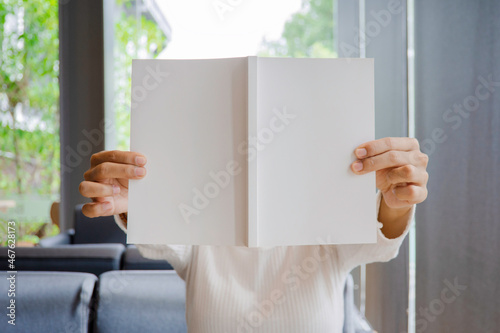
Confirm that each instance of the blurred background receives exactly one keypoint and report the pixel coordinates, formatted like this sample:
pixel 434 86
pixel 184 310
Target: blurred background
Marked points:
pixel 65 93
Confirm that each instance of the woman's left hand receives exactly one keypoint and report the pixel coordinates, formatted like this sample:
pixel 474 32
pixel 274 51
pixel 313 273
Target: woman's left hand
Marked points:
pixel 400 170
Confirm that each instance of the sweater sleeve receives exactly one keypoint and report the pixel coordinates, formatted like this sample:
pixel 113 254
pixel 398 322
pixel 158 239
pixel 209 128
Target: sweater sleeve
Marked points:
pixel 178 256
pixel 384 249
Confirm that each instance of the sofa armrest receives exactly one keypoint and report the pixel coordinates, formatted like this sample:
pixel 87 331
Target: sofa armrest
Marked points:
pixel 48 301
pixel 64 238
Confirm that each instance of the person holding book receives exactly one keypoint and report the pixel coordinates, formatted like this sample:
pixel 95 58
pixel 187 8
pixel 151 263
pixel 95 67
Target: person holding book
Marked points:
pixel 273 289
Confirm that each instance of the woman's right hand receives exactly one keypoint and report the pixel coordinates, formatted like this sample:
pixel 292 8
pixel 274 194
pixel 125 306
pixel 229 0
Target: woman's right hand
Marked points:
pixel 106 182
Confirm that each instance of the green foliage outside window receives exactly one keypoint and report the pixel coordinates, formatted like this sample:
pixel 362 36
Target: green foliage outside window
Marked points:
pixel 29 94
pixel 134 38
pixel 309 33
pixel 29 105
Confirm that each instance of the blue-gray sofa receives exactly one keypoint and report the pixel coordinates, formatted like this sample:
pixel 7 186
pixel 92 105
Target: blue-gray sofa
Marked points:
pixel 89 280
pixel 116 301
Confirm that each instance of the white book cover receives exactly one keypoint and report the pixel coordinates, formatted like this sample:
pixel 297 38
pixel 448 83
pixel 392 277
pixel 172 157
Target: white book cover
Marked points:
pixel 252 152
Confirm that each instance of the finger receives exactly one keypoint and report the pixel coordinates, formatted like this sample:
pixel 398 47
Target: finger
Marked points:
pixel 95 209
pixel 412 193
pixel 93 189
pixel 117 156
pixel 380 146
pixel 418 158
pixel 390 159
pixel 407 174
pixel 108 170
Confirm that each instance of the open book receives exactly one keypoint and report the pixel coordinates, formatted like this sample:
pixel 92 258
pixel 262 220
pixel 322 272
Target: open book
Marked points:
pixel 252 151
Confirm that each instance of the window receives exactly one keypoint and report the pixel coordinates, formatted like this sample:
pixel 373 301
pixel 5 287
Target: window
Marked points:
pixel 140 31
pixel 29 116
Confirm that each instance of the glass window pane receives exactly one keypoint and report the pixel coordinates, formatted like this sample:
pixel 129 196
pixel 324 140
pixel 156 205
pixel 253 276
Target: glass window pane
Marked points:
pixel 29 116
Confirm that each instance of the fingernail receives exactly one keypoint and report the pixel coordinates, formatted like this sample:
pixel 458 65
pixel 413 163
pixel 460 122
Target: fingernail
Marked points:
pixel 116 189
pixel 140 172
pixel 139 160
pixel 361 152
pixel 106 206
pixel 357 166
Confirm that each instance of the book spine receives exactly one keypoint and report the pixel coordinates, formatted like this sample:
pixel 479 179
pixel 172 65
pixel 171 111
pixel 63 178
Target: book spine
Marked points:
pixel 252 224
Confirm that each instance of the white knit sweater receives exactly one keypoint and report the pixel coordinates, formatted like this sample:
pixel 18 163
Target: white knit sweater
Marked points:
pixel 279 289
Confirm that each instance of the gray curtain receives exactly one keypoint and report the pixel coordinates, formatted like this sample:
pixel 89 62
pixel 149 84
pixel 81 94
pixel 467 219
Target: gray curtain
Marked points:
pixel 458 123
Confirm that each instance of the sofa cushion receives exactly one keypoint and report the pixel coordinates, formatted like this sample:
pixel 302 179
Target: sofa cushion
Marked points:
pixel 89 258
pixel 133 260
pixel 141 301
pixel 101 229
pixel 63 238
pixel 48 301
